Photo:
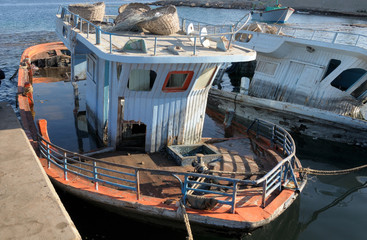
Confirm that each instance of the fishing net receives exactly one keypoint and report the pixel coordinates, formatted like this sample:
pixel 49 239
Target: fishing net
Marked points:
pixel 162 21
pixel 91 12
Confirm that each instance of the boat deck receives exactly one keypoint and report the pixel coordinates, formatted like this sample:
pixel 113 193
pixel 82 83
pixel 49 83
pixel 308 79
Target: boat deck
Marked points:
pixel 242 164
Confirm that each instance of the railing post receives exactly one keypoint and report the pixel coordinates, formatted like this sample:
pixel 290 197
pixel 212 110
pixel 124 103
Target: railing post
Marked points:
pixel 155 46
pixel 95 174
pixel 357 40
pixel 76 19
pixel 48 156
pixel 265 184
pixel 184 190
pixel 335 36
pixel 234 196
pixel 98 35
pixel 183 25
pixel 62 13
pixel 110 43
pixel 65 167
pixel 273 136
pixel 137 184
pixel 194 46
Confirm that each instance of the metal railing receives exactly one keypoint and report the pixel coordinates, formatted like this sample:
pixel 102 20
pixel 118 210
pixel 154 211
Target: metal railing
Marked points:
pixel 283 172
pixel 343 38
pixel 127 177
pixel 214 31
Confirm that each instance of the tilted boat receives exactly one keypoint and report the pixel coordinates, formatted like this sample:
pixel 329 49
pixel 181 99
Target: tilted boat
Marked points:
pixel 312 82
pixel 273 14
pixel 146 99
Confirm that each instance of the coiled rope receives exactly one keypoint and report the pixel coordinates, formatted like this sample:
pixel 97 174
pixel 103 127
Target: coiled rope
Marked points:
pixel 331 172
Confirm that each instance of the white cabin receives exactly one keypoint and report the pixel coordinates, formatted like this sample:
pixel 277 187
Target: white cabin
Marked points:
pixel 308 81
pixel 325 72
pixel 149 96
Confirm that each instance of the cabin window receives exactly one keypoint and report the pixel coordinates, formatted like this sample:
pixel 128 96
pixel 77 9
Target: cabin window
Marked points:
pixel 91 65
pixel 141 80
pixel 347 78
pixel 266 67
pixel 359 91
pixel 177 81
pixel 204 78
pixel 333 64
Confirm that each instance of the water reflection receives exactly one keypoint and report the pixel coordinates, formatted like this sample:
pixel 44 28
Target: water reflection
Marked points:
pixel 62 104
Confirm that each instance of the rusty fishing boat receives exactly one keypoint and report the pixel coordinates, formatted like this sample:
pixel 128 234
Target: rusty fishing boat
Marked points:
pixel 145 99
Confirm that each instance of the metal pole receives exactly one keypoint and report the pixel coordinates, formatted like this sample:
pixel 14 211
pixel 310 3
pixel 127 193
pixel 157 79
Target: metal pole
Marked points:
pixel 95 174
pixel 110 43
pixel 194 45
pixel 98 35
pixel 65 167
pixel 234 196
pixel 264 193
pixel 137 184
pixel 48 156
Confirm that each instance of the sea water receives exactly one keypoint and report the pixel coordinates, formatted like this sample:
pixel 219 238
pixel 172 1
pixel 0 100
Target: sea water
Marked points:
pixel 330 207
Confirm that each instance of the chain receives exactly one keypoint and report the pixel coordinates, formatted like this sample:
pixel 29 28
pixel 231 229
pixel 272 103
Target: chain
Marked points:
pixel 332 172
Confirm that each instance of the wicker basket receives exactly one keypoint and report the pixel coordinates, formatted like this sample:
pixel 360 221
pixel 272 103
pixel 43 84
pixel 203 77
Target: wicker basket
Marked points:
pixel 162 21
pixel 129 16
pixel 91 12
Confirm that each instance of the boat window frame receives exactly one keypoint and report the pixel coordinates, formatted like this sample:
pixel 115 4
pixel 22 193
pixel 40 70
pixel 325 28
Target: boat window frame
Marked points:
pixel 331 67
pixel 151 80
pixel 91 69
pixel 260 65
pixel 351 87
pixel 185 84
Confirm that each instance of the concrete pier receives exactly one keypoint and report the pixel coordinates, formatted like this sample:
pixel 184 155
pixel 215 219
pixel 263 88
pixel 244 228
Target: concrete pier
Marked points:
pixel 29 205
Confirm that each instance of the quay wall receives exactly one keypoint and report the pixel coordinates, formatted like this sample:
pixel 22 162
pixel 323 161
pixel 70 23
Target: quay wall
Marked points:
pixel 29 205
pixel 342 7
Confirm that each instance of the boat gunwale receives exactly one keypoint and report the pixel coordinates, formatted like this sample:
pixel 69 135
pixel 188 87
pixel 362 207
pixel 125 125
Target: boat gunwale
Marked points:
pixel 26 108
pixel 296 38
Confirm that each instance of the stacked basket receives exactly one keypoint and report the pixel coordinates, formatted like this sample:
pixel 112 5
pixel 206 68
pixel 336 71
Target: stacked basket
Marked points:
pixel 91 12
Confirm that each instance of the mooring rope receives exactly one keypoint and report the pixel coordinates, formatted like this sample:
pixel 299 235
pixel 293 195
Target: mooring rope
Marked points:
pixel 330 172
pixel 186 220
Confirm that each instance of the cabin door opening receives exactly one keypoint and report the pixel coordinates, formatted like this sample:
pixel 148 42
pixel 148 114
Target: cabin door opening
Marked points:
pixel 132 134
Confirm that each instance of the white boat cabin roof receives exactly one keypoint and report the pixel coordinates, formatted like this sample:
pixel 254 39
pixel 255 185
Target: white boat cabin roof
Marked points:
pixel 144 47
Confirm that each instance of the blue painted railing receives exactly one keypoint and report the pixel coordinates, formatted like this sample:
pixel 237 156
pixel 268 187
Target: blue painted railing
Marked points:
pixel 127 177
pixel 78 22
pixel 283 172
pixel 334 37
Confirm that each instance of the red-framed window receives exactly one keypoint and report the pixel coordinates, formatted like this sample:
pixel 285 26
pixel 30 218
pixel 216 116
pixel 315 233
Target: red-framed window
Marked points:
pixel 177 81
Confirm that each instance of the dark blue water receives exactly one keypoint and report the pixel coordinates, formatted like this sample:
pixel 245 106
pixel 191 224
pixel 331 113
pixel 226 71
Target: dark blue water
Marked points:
pixel 330 207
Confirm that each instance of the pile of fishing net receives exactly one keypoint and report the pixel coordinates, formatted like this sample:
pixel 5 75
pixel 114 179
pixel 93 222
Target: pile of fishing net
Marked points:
pixel 138 16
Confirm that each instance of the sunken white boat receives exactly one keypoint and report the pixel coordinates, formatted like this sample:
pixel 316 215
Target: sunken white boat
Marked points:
pixel 309 81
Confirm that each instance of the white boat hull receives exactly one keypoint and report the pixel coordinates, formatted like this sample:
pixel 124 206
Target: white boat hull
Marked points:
pixel 295 118
pixel 277 15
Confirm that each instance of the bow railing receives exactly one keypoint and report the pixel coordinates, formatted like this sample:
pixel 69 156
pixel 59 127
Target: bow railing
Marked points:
pixel 89 28
pixel 127 177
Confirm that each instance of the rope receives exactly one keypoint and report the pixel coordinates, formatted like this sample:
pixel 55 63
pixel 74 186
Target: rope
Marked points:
pixel 186 220
pixel 332 172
